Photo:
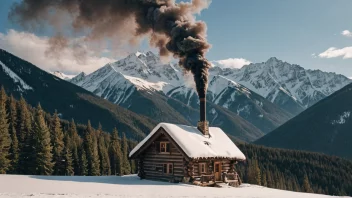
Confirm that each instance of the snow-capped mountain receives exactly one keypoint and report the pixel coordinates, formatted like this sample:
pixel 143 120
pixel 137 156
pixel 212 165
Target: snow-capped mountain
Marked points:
pixel 264 94
pixel 117 81
pixel 140 82
pixel 23 79
pixel 290 86
pixel 238 99
pixel 62 75
pixel 139 74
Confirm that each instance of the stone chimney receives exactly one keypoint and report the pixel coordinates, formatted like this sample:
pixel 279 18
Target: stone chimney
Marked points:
pixel 203 124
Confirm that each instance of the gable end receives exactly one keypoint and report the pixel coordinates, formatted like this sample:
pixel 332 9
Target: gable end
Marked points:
pixel 153 139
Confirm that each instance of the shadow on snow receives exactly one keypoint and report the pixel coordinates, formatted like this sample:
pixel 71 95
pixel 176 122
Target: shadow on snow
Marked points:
pixel 124 180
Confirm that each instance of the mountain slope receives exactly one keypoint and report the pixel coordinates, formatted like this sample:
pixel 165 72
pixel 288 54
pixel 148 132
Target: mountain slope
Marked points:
pixel 237 99
pixel 21 78
pixel 107 83
pixel 325 127
pixel 141 83
pixel 290 86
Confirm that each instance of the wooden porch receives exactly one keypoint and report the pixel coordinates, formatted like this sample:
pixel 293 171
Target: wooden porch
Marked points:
pixel 232 179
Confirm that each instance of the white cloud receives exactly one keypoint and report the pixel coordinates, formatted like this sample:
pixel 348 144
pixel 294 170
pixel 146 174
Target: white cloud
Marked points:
pixel 231 63
pixel 34 49
pixel 346 33
pixel 333 52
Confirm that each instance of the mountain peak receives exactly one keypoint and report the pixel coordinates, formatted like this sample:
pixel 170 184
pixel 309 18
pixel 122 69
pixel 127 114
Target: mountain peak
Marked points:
pixel 82 74
pixel 139 54
pixel 58 74
pixel 78 78
pixel 62 75
pixel 273 60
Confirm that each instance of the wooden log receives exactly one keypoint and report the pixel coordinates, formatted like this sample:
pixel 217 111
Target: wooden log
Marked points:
pixel 190 168
pixel 164 156
pixel 153 174
pixel 150 166
pixel 160 160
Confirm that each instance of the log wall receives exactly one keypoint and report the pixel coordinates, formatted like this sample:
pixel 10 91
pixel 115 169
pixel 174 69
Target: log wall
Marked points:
pixel 153 162
pixel 195 172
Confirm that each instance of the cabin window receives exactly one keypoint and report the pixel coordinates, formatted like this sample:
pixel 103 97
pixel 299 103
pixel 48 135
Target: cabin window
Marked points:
pixel 168 168
pixel 164 147
pixel 202 168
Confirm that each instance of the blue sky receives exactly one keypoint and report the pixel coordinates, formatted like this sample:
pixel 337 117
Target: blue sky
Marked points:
pixel 259 29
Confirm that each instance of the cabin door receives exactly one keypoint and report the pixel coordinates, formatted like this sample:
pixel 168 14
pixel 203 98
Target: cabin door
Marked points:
pixel 217 171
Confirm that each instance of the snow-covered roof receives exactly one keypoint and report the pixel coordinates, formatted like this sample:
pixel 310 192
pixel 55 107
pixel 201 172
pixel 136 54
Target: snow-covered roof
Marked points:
pixel 195 145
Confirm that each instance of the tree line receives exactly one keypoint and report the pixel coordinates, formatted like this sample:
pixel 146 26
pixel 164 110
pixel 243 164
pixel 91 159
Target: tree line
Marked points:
pixel 296 170
pixel 34 142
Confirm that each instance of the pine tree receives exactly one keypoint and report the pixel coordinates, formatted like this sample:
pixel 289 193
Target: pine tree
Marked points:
pixel 277 180
pixel 133 162
pixel 257 172
pixel 91 146
pixel 72 131
pixel 14 154
pixel 264 181
pixel 67 156
pixel 14 148
pixel 289 185
pixel 295 186
pixel 306 185
pixel 26 161
pixel 57 142
pixel 115 154
pixel 104 157
pixel 75 144
pixel 95 171
pixel 43 160
pixel 253 174
pixel 126 167
pixel 5 141
pixel 83 163
pixel 269 179
pixel 24 121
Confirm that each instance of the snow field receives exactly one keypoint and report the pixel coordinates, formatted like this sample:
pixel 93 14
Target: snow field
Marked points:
pixel 19 186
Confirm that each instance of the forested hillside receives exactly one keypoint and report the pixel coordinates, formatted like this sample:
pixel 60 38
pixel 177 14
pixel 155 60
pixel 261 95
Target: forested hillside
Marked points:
pixel 296 170
pixel 34 142
pixel 325 127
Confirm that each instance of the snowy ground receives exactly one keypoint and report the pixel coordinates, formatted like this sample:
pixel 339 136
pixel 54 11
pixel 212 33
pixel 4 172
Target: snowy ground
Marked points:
pixel 17 186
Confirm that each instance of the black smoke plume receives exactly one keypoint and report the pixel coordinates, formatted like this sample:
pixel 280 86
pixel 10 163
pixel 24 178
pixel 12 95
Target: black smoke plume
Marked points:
pixel 171 26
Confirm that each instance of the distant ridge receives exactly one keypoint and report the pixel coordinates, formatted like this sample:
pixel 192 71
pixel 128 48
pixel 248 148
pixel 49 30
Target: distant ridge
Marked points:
pixel 325 127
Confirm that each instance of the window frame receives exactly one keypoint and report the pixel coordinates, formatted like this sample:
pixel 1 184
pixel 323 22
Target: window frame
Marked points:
pixel 167 170
pixel 201 165
pixel 167 145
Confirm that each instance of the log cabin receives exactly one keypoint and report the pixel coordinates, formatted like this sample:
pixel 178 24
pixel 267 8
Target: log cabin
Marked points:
pixel 178 153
